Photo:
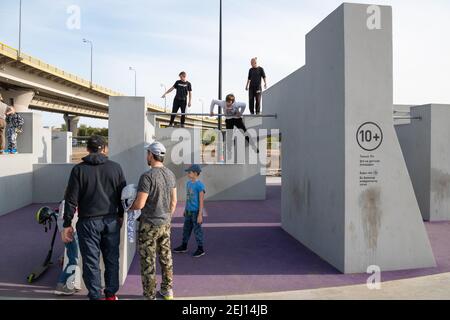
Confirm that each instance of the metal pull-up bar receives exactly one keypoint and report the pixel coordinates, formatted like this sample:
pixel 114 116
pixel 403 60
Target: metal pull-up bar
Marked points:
pixel 209 115
pixel 407 118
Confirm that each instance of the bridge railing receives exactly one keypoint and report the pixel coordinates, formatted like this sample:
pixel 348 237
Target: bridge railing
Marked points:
pixel 39 64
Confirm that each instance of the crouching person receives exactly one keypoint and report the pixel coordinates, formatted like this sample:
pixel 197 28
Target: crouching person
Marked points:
pixel 95 187
pixel 157 200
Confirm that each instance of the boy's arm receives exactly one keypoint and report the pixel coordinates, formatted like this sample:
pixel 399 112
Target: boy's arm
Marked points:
pixel 168 91
pixel 190 99
pixel 213 105
pixel 241 106
pixel 264 78
pixel 173 201
pixel 201 206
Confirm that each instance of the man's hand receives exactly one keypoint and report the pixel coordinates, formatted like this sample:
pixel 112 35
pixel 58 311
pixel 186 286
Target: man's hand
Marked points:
pixel 67 235
pixel 265 86
pixel 189 105
pixel 164 95
pixel 246 88
pixel 200 218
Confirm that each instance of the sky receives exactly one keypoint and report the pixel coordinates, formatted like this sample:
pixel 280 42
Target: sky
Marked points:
pixel 160 38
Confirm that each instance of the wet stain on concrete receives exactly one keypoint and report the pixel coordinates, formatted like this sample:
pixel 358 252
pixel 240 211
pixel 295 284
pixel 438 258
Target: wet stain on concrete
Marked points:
pixel 370 205
pixel 295 196
pixel 440 185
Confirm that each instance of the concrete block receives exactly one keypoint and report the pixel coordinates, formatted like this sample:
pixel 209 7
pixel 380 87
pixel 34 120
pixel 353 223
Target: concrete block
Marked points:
pixel 129 130
pixel 29 140
pixel 16 182
pixel 346 193
pixel 61 147
pixel 427 153
pixel 50 182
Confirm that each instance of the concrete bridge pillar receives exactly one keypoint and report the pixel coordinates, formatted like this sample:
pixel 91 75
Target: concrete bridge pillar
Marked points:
pixel 72 124
pixel 20 99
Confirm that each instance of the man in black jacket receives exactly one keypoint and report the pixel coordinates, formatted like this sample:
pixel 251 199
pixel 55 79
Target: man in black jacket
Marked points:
pixel 95 188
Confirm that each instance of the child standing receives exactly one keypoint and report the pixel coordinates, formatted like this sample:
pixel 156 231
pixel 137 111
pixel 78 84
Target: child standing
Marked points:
pixel 15 124
pixel 193 215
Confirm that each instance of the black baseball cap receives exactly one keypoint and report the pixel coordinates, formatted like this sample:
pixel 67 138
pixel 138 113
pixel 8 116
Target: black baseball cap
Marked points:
pixel 96 143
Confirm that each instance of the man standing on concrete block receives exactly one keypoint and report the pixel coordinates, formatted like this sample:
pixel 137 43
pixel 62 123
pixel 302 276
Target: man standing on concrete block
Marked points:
pixel 184 89
pixel 254 86
pixel 95 188
pixel 157 200
pixel 3 109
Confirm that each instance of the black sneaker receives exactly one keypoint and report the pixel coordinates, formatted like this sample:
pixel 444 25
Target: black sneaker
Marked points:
pixel 181 249
pixel 199 253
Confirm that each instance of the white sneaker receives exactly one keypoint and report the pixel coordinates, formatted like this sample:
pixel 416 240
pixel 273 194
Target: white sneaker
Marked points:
pixel 63 290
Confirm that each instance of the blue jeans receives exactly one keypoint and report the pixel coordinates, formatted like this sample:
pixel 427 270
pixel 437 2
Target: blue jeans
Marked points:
pixel 190 223
pixel 72 255
pixel 100 235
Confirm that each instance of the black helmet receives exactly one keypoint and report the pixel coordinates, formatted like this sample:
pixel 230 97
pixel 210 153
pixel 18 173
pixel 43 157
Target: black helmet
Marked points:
pixel 44 214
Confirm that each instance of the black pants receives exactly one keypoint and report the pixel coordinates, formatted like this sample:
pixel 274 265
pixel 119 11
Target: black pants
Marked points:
pixel 255 95
pixel 177 105
pixel 238 123
pixel 95 236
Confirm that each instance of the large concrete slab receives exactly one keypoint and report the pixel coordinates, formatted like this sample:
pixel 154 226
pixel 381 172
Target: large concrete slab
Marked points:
pixel 128 133
pixel 427 153
pixel 50 182
pixel 61 147
pixel 346 190
pixel 16 182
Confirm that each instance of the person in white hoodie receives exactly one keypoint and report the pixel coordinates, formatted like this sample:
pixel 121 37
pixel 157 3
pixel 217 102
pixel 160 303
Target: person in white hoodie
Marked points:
pixel 233 112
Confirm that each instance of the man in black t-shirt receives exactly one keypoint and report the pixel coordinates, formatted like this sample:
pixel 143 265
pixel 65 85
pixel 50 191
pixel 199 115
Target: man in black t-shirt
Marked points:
pixel 254 86
pixel 184 90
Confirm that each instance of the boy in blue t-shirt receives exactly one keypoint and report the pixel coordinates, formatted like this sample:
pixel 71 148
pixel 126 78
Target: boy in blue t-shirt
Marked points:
pixel 193 215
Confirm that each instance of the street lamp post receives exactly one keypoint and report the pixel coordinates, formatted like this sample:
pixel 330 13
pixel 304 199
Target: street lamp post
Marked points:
pixel 203 108
pixel 92 57
pixel 20 31
pixel 165 97
pixel 220 64
pixel 135 80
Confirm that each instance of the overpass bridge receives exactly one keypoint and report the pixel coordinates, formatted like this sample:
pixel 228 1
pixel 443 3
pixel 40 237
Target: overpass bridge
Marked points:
pixel 30 83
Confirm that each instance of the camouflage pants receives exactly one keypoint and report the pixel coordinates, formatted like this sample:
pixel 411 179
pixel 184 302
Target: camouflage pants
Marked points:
pixel 11 136
pixel 155 240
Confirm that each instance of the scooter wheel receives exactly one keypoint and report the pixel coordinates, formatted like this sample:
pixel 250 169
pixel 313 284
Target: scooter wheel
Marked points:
pixel 31 278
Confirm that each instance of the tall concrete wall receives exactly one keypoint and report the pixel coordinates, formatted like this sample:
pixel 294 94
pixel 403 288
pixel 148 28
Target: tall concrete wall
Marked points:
pixel 29 141
pixel 61 147
pixel 128 132
pixel 347 198
pixel 16 182
pixel 427 153
pixel 50 182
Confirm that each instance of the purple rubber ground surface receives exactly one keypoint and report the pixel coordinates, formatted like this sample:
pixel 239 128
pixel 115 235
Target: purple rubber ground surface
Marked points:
pixel 247 252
